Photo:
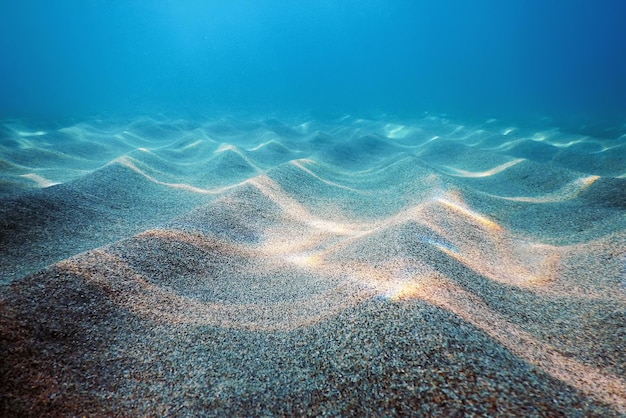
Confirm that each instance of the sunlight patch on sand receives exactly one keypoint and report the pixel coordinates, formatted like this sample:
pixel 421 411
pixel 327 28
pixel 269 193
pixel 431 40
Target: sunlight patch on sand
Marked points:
pixel 20 131
pixel 270 143
pixel 403 290
pixel 593 381
pixel 508 131
pixel 396 131
pixel 141 296
pixel 229 147
pixel 130 134
pixel 506 146
pixel 502 264
pixel 567 144
pixel 298 211
pixel 477 174
pixel 453 202
pixel 568 192
pixel 41 181
pixel 304 259
pixel 395 281
pixel 304 127
pixel 301 165
pixel 193 144
pixel 127 162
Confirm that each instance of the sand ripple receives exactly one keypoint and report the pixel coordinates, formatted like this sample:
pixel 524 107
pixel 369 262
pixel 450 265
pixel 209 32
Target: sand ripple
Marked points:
pixel 208 254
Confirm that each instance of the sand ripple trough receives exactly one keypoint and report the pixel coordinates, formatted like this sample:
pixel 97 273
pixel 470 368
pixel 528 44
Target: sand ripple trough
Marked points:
pixel 300 267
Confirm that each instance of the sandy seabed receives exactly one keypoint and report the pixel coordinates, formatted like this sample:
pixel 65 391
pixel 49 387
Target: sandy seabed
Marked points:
pixel 161 267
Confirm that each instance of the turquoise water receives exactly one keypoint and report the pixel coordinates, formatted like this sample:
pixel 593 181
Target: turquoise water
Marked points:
pixel 565 60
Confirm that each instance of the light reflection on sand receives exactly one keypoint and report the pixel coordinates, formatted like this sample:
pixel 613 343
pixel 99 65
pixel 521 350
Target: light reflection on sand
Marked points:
pixel 486 173
pixel 498 258
pixel 440 244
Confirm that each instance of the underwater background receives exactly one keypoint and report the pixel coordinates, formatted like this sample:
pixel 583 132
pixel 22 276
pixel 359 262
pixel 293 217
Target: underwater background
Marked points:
pixel 312 207
pixel 562 59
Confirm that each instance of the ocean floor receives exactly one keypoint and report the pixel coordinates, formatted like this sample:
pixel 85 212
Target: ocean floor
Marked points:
pixel 160 267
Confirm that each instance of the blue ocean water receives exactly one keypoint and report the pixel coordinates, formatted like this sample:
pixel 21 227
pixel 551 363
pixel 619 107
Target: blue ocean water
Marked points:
pixel 290 207
pixel 564 59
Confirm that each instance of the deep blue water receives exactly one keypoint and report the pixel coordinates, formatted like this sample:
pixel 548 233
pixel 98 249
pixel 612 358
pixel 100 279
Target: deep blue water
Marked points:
pixel 564 59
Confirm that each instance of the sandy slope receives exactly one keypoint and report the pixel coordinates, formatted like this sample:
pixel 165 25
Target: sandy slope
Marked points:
pixel 270 267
